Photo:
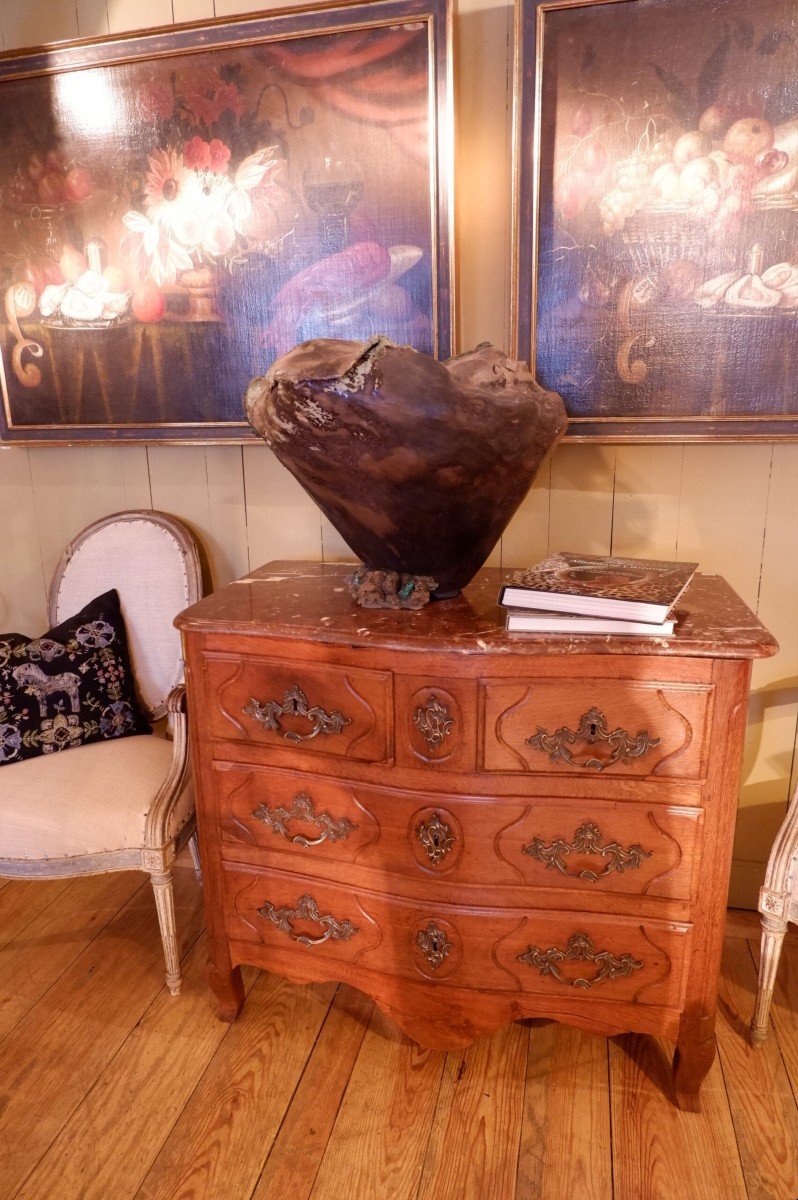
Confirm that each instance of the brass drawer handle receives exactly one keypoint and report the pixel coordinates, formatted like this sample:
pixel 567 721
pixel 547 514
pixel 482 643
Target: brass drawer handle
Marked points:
pixel 436 839
pixel 302 809
pixel 433 945
pixel 434 721
pixel 592 728
pixel 586 840
pixel 580 948
pixel 307 910
pixel 295 704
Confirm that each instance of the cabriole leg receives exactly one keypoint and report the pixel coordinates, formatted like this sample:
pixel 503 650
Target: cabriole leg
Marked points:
pixel 228 988
pixel 695 1054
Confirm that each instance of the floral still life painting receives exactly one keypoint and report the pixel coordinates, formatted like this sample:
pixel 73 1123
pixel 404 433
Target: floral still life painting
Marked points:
pixel 180 207
pixel 657 215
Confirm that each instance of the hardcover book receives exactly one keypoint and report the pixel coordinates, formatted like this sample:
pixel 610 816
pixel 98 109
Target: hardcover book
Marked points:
pixel 629 589
pixel 523 620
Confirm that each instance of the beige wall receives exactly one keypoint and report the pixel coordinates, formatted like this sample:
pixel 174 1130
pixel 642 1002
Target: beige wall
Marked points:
pixel 730 507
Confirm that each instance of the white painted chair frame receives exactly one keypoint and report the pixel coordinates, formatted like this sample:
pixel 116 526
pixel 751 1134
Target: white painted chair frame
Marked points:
pixel 157 852
pixel 778 904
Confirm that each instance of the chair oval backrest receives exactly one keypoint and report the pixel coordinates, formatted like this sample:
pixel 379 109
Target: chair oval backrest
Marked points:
pixel 152 561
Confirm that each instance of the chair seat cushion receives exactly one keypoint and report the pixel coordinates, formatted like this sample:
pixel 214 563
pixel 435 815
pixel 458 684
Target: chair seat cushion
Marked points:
pixel 94 799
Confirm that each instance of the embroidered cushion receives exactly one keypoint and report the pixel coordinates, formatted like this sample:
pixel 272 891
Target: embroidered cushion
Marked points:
pixel 72 686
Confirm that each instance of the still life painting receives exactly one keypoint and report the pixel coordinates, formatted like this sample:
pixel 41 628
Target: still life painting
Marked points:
pixel 657 215
pixel 180 207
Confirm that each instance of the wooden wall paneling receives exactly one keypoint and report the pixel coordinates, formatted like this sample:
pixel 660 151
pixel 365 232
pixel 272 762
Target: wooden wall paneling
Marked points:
pixel 526 538
pixel 589 497
pixel 333 546
pixel 193 10
pixel 204 486
pixel 77 486
pixel 23 586
pixel 482 171
pixel 582 498
pixel 231 8
pixel 722 512
pixel 722 515
pixel 648 484
pixel 92 18
pixel 124 15
pixel 282 520
pixel 769 760
pixel 22 22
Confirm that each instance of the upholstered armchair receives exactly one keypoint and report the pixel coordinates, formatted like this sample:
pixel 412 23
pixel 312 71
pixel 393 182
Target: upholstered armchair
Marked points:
pixel 124 803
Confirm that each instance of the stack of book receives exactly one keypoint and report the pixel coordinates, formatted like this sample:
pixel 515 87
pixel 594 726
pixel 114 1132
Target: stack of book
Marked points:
pixel 589 594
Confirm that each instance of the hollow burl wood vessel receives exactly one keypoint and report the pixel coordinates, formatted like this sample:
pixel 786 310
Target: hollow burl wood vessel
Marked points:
pixel 418 464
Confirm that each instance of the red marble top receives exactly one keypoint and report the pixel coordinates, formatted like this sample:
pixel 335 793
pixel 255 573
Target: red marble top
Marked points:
pixel 308 601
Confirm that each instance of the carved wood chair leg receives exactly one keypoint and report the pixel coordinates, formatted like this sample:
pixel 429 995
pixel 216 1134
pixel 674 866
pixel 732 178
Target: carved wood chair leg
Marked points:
pixel 193 846
pixel 773 931
pixel 165 904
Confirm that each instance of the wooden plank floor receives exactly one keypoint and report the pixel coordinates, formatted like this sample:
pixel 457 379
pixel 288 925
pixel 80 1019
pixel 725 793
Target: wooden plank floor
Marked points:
pixel 110 1089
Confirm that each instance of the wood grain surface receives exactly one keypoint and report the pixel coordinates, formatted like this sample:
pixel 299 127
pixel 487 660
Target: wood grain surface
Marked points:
pixel 112 1087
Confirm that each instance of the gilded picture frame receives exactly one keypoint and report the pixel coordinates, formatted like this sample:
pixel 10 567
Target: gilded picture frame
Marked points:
pixel 655 256
pixel 180 206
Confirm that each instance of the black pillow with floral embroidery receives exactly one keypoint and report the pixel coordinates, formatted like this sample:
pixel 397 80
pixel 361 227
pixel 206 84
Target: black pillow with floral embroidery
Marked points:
pixel 71 686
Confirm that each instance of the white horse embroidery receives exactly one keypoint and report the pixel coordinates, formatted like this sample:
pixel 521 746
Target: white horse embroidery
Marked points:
pixel 41 686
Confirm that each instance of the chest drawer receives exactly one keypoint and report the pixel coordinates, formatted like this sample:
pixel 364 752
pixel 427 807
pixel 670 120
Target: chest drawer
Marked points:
pixel 503 949
pixel 322 709
pixel 351 831
pixel 596 726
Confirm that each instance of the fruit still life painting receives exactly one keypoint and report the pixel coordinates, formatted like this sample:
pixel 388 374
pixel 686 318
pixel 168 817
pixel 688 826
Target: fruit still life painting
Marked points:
pixel 660 296
pixel 180 208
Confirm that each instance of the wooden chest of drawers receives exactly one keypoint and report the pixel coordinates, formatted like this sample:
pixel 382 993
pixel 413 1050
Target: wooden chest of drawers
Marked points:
pixel 470 827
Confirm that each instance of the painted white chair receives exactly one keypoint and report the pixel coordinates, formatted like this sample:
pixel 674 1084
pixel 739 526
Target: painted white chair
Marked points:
pixel 778 904
pixel 117 805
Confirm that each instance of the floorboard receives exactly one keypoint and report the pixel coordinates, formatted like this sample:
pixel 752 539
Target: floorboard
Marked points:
pixel 54 1055
pixel 110 1087
pixel 379 1142
pixel 480 1110
pixel 218 1145
pixel 760 1097
pixel 565 1143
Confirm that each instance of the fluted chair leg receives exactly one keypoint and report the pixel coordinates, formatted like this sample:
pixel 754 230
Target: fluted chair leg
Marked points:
pixel 165 904
pixel 773 931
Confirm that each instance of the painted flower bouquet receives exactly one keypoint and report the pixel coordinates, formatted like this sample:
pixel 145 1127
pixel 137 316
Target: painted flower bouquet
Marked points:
pixel 200 213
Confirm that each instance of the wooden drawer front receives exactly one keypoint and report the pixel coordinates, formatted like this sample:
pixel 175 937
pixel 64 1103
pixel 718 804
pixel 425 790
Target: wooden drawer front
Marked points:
pixel 436 723
pixel 600 957
pixel 316 709
pixel 306 823
pixel 495 948
pixel 596 846
pixel 299 820
pixel 595 726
